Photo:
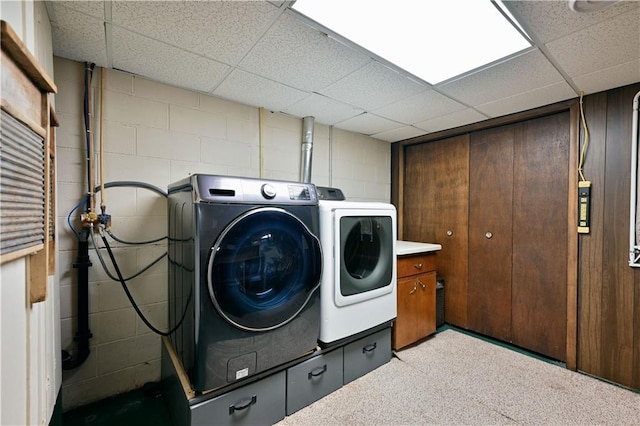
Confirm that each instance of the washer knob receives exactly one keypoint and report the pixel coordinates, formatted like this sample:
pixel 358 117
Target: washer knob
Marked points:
pixel 268 191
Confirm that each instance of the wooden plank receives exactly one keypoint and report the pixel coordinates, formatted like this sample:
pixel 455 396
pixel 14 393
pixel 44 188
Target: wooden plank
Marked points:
pixel 10 257
pixel 618 278
pixel 490 231
pixel 590 245
pixel 572 243
pixel 189 393
pixel 539 275
pixel 397 185
pixel 29 65
pixel 20 97
pixel 37 277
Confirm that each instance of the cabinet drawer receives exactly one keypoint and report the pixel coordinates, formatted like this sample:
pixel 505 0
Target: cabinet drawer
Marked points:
pixel 311 380
pixel 366 354
pixel 261 402
pixel 417 264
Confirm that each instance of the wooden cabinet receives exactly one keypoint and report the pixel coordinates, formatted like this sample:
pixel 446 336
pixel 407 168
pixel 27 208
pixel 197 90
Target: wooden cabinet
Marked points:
pixel 416 317
pixel 497 200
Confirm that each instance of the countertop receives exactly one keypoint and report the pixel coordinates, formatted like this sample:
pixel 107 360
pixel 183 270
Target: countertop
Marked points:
pixel 411 247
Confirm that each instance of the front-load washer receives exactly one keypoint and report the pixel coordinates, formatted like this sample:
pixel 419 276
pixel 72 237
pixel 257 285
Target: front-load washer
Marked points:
pixel 244 275
pixel 358 290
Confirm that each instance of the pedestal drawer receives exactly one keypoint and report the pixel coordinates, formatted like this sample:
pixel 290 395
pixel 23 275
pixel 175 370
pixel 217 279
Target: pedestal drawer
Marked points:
pixel 261 402
pixel 313 379
pixel 366 354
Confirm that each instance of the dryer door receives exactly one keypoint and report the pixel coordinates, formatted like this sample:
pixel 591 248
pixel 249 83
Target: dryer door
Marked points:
pixel 264 269
pixel 365 250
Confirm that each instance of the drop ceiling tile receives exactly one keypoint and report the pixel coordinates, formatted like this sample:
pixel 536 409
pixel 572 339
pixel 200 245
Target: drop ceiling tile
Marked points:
pixel 367 124
pixel 528 100
pixel 300 56
pixel 617 76
pixel 373 86
pixel 601 46
pixel 519 74
pixel 164 63
pixel 78 37
pixel 450 121
pixel 250 89
pixel 90 7
pixel 399 134
pixel 325 110
pixel 550 20
pixel 220 30
pixel 419 107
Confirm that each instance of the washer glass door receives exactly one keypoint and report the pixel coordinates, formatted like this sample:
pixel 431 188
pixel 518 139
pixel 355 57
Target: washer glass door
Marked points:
pixel 264 269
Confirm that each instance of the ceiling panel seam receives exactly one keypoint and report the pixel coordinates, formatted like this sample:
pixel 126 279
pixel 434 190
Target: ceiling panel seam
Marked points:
pixel 542 48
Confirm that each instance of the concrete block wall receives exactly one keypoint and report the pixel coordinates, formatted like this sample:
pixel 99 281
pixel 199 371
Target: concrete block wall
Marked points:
pixel 157 134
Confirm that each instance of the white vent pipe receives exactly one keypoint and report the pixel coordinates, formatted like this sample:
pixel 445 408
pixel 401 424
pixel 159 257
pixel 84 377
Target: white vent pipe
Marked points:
pixel 633 206
pixel 307 149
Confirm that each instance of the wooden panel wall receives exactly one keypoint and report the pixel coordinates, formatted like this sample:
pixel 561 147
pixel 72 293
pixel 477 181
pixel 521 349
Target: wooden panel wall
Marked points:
pixel 609 289
pixel 608 337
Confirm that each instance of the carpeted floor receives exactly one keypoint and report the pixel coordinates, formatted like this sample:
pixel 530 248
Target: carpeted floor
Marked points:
pixel 455 379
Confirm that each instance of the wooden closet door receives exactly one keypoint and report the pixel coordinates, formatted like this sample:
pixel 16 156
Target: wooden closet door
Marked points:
pixel 540 209
pixel 490 231
pixel 436 196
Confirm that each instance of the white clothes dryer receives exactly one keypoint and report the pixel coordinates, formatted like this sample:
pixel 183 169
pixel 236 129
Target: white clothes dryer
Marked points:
pixel 358 284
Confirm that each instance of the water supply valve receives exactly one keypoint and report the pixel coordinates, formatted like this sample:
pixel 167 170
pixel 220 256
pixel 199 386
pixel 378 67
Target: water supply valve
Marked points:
pixel 88 219
pixel 105 220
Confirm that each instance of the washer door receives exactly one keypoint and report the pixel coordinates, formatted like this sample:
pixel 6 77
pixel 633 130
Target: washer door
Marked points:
pixel 366 255
pixel 264 269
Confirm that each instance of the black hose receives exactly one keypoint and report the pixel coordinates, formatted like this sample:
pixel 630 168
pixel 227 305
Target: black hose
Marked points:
pixel 133 302
pixel 83 334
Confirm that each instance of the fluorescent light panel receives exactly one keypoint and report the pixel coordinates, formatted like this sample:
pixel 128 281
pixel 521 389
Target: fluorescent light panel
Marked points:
pixel 434 40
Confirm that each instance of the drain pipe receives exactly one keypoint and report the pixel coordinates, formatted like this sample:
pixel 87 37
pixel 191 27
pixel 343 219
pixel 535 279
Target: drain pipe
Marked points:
pixel 307 149
pixel 83 334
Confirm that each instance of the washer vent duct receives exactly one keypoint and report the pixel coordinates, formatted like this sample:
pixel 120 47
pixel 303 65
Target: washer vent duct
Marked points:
pixel 307 149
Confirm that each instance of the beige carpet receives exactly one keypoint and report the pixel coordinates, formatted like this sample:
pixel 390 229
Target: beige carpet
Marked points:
pixel 455 379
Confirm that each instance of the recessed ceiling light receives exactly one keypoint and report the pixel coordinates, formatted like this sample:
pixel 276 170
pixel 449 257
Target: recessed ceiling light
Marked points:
pixel 432 39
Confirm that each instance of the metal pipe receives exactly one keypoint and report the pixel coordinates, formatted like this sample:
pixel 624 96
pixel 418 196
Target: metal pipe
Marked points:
pixel 83 333
pixel 307 149
pixel 633 207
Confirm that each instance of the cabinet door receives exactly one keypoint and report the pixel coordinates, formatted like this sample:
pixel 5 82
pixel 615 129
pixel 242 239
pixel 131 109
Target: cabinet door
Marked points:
pixel 427 302
pixel 435 198
pixel 416 309
pixel 540 247
pixel 490 231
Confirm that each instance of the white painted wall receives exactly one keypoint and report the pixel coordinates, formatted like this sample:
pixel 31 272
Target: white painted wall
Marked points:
pixel 158 134
pixel 30 374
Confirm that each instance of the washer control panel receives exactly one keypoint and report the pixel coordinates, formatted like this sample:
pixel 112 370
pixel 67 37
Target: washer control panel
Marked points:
pixel 268 191
pixel 232 189
pixel 299 192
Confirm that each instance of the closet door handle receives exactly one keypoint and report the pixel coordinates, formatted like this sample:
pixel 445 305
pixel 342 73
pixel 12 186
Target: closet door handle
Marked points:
pixel 318 371
pixel 243 404
pixel 488 235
